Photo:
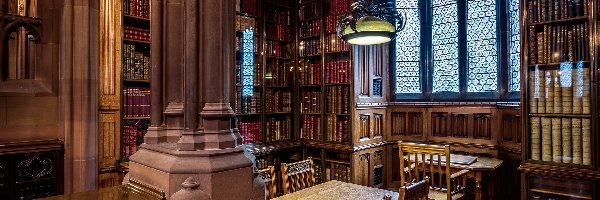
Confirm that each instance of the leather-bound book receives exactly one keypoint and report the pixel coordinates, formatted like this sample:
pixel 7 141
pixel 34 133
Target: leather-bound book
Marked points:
pixel 557 92
pixel 535 138
pixel 546 139
pixel 586 138
pixel 533 93
pixel 577 141
pixel 549 91
pixel 567 156
pixel 556 140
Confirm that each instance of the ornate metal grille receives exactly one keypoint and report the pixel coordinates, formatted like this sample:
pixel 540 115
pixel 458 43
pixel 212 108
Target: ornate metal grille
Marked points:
pixel 445 46
pixel 482 46
pixel 408 45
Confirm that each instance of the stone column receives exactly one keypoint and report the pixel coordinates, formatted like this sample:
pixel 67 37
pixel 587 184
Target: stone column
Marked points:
pixel 208 154
pixel 156 129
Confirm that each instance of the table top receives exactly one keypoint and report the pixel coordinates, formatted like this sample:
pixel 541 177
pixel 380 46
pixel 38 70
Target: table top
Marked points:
pixel 339 190
pixel 482 163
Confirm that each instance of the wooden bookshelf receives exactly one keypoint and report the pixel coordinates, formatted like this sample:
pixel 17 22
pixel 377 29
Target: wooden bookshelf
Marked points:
pixel 559 97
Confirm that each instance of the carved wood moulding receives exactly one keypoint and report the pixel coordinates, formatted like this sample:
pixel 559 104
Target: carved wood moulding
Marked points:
pixel 560 171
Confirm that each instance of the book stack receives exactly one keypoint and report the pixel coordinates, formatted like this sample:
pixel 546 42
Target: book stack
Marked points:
pixel 278 49
pixel 136 65
pixel 278 129
pixel 250 131
pixel 311 128
pixel 337 7
pixel 250 7
pixel 278 101
pixel 338 99
pixel 554 44
pixel 310 47
pixel 309 28
pixel 281 17
pixel 336 44
pixel 242 23
pixel 136 102
pixel 331 23
pixel 248 104
pixel 564 90
pixel 278 73
pixel 137 8
pixel 311 102
pixel 548 10
pixel 310 11
pixel 318 172
pixel 279 32
pixel 337 71
pixel 561 140
pixel 132 137
pixel 338 128
pixel 338 171
pixel 310 73
pixel 134 33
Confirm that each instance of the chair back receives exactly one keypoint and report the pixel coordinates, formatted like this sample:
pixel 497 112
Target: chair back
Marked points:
pixel 268 175
pixel 428 159
pixel 415 191
pixel 297 176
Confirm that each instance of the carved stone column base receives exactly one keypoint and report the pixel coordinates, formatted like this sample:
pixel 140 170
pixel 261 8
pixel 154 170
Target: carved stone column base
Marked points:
pixel 222 174
pixel 155 135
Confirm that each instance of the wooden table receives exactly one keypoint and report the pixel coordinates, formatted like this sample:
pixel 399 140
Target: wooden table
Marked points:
pixel 477 170
pixel 339 190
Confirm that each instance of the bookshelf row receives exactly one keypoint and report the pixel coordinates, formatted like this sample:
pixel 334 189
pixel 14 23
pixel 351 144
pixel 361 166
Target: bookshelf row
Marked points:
pixel 553 44
pixel 561 140
pixel 548 10
pixel 560 91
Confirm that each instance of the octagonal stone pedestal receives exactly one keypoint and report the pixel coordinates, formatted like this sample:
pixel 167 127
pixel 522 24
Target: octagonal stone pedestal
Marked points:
pixel 223 173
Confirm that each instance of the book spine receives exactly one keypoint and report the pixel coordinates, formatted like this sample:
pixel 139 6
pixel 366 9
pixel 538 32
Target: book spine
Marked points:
pixel 586 141
pixel 577 141
pixel 556 140
pixel 546 139
pixel 533 98
pixel 549 92
pixel 585 101
pixel 557 92
pixel 535 138
pixel 567 156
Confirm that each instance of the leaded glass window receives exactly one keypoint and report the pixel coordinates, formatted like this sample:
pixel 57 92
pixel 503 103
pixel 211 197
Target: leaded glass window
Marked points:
pixel 481 46
pixel 248 63
pixel 515 47
pixel 408 44
pixel 445 46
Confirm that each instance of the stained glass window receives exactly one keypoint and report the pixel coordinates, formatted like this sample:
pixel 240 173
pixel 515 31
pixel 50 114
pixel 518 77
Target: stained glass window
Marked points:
pixel 408 42
pixel 514 47
pixel 445 46
pixel 248 62
pixel 481 46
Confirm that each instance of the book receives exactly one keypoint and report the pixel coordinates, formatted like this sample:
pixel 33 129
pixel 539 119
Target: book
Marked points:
pixel 310 128
pixel 540 82
pixel 251 132
pixel 278 101
pixel 556 140
pixel 577 141
pixel 549 92
pixel 585 100
pixel 535 138
pixel 586 141
pixel 567 156
pixel 278 128
pixel 546 139
pixel 557 101
pixel 533 93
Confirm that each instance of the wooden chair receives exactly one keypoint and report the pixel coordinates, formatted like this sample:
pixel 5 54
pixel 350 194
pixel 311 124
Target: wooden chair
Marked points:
pixel 427 160
pixel 268 175
pixel 297 176
pixel 415 191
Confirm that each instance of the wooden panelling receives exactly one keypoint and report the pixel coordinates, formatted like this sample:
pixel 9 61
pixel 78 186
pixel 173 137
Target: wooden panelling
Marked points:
pixel 364 126
pixel 439 124
pixel 377 125
pixel 378 169
pixel 108 140
pixel 482 125
pixel 460 125
pixel 407 123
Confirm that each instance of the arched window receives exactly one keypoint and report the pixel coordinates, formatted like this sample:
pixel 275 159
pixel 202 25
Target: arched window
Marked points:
pixel 19 37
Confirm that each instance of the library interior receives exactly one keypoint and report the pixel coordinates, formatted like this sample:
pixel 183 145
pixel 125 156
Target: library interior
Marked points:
pixel 300 99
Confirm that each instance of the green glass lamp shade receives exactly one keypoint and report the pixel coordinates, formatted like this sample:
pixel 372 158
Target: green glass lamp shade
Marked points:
pixel 369 30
